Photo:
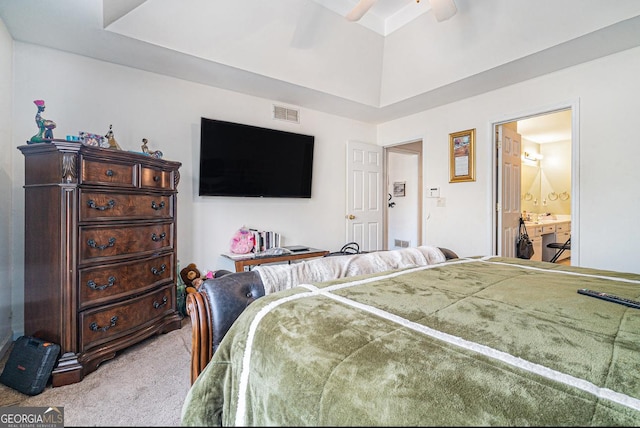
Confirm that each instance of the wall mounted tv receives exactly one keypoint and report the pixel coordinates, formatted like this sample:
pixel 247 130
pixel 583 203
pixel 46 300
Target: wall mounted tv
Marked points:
pixel 245 160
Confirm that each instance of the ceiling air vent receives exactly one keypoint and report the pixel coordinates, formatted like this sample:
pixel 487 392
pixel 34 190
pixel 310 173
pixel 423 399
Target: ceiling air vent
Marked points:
pixel 284 113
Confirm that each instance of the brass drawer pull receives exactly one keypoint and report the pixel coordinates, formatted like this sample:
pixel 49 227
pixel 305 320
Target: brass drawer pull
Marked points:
pixel 156 206
pixel 92 244
pixel 94 326
pixel 157 238
pixel 92 284
pixel 109 205
pixel 158 305
pixel 159 272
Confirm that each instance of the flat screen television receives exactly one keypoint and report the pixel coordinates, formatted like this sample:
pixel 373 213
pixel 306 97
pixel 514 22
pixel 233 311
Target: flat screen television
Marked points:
pixel 250 161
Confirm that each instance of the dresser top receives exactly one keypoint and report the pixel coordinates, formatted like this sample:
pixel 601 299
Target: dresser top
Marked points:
pixel 74 147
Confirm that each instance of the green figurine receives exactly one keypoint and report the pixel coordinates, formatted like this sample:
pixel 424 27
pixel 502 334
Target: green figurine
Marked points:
pixel 45 127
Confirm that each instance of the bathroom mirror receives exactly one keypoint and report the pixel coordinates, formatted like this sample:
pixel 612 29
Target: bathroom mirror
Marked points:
pixel 546 178
pixel 530 187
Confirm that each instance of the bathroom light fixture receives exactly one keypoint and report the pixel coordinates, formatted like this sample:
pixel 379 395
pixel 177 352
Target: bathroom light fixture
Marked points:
pixel 532 156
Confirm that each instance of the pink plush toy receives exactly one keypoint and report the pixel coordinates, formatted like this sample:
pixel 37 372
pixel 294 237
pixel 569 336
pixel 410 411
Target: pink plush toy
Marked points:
pixel 243 241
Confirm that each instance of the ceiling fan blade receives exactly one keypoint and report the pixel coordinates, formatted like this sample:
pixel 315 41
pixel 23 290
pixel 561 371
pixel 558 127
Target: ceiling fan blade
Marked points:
pixel 359 10
pixel 443 9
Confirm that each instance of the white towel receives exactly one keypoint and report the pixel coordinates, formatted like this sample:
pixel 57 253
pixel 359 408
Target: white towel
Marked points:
pixel 282 277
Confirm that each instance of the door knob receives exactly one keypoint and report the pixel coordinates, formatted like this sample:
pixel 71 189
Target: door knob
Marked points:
pixel 351 217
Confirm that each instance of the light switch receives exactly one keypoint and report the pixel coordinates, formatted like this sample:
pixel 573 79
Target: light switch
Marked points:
pixel 433 192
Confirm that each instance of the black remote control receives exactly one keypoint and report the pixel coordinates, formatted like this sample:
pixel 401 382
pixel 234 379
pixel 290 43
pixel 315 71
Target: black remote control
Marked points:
pixel 610 297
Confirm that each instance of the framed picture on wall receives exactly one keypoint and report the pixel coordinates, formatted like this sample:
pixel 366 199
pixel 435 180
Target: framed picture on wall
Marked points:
pixel 462 158
pixel 399 188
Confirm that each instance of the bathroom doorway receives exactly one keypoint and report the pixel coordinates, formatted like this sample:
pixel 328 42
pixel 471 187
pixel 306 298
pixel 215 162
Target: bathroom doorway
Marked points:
pixel 403 210
pixel 535 173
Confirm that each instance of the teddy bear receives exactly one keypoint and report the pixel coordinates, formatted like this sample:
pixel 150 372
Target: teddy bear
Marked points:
pixel 191 277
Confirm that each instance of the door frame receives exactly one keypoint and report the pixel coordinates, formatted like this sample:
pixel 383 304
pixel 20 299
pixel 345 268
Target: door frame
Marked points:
pixel 574 106
pixel 414 147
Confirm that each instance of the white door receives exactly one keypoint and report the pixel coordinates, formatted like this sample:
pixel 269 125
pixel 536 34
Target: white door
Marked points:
pixel 509 175
pixel 365 195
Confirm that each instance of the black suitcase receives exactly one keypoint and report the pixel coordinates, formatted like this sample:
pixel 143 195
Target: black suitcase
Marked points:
pixel 30 365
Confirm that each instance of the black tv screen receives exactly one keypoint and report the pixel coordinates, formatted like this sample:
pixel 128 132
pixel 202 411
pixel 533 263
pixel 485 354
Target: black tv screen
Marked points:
pixel 245 160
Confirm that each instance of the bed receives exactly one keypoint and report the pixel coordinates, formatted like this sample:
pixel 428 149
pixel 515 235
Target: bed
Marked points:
pixel 462 342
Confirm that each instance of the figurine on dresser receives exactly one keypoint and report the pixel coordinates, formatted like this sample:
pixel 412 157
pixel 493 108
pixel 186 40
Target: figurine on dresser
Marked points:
pixel 145 149
pixel 111 140
pixel 45 127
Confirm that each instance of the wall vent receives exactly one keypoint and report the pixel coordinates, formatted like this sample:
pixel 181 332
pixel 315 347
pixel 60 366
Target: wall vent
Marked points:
pixel 284 113
pixel 401 244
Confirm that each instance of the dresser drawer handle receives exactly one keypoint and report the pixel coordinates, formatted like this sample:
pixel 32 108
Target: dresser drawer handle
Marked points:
pixel 92 244
pixel 164 302
pixel 109 173
pixel 159 272
pixel 92 284
pixel 93 205
pixel 94 326
pixel 156 178
pixel 156 206
pixel 157 238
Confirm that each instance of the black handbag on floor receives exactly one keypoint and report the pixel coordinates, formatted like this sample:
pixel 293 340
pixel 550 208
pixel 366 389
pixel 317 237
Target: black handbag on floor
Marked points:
pixel 524 246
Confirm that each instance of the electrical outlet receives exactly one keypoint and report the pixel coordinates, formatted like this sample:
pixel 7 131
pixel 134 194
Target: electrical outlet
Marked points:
pixel 441 202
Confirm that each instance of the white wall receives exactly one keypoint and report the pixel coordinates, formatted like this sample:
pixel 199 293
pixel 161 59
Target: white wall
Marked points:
pixel 6 177
pixel 83 94
pixel 300 50
pixel 607 93
pixel 427 54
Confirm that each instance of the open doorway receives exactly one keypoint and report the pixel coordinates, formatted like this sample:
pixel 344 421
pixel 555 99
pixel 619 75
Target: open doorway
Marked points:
pixel 535 176
pixel 403 178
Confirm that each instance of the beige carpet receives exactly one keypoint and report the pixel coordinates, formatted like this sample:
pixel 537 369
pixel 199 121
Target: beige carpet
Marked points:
pixel 145 385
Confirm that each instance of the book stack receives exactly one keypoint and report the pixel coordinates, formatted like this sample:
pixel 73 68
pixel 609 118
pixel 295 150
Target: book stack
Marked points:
pixel 265 239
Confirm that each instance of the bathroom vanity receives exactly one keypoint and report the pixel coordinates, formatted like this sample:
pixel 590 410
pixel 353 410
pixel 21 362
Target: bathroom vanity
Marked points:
pixel 544 232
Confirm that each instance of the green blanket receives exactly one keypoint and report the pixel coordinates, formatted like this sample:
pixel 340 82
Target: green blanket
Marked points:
pixel 482 341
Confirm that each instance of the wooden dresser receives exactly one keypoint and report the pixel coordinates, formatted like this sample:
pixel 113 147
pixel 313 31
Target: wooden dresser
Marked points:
pixel 100 251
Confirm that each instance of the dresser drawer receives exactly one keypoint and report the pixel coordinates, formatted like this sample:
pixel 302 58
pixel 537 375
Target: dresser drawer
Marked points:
pixel 108 173
pixel 100 242
pixel 98 206
pixel 97 326
pixel 102 284
pixel 563 227
pixel 153 178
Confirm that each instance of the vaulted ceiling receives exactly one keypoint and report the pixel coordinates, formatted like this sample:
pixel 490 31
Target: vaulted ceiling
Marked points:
pixel 305 53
